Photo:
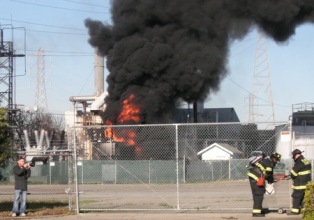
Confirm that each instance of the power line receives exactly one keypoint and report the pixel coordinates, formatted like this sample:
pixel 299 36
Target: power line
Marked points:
pixel 55 7
pixel 85 3
pixel 73 53
pixel 52 32
pixel 45 25
pixel 60 55
pixel 237 84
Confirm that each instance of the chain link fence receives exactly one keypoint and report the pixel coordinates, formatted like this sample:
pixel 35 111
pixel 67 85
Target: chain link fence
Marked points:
pixel 52 181
pixel 157 167
pixel 171 167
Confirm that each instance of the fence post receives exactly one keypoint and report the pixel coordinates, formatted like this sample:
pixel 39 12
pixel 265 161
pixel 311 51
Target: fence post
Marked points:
pixel 149 170
pixel 50 172
pixel 115 171
pixel 75 174
pixel 229 168
pixel 183 169
pixel 177 166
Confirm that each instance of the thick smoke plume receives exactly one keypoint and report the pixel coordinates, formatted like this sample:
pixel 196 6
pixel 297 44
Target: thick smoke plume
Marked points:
pixel 163 51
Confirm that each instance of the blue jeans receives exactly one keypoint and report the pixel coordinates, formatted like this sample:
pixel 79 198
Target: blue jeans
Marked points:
pixel 19 197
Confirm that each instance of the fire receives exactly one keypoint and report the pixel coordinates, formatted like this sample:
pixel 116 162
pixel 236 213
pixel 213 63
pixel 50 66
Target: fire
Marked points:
pixel 130 112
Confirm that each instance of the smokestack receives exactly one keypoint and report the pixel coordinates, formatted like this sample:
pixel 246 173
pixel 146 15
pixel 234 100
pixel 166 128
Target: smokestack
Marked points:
pixel 195 115
pixel 99 94
pixel 99 74
pixel 1 39
pixel 162 51
pixel 198 110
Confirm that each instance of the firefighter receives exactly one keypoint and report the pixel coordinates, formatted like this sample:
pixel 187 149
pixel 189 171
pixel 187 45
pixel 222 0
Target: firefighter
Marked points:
pixel 263 168
pixel 301 176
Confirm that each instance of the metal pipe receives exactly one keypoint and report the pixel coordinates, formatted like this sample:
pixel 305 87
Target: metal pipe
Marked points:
pixel 26 139
pixel 36 137
pixel 99 74
pixel 82 98
pixel 41 139
pixel 47 140
pixel 99 102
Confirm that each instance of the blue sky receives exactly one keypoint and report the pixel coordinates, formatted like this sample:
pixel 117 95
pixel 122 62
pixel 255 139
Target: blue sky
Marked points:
pixel 58 28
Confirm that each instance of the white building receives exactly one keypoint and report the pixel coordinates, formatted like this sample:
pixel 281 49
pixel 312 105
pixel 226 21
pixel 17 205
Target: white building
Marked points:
pixel 220 151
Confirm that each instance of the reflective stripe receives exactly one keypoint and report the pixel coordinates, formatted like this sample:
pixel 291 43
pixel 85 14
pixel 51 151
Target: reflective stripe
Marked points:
pixel 293 173
pixel 305 161
pixel 269 169
pixel 299 187
pixel 295 210
pixel 257 211
pixel 261 167
pixel 252 176
pixel 304 172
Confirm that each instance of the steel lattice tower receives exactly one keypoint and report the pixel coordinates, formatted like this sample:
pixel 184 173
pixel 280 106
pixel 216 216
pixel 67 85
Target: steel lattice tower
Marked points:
pixel 7 76
pixel 40 96
pixel 261 106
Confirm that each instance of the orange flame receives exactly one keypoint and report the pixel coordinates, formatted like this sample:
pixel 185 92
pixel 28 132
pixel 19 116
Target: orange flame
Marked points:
pixel 130 112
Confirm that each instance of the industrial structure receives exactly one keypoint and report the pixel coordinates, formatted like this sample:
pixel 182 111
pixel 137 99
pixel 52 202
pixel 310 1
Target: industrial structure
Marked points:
pixel 7 73
pixel 301 135
pixel 87 112
pixel 40 96
pixel 261 106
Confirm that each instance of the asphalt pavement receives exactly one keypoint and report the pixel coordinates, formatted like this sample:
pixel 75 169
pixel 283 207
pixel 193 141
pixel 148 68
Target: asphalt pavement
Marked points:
pixel 186 215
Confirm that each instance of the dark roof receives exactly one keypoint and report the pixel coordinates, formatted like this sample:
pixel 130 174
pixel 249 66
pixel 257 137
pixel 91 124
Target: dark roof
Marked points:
pixel 210 115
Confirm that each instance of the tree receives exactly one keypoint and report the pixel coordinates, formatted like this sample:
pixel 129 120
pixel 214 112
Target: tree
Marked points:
pixel 5 137
pixel 37 121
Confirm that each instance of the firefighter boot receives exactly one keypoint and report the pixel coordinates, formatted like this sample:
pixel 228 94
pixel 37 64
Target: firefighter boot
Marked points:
pixel 292 213
pixel 258 215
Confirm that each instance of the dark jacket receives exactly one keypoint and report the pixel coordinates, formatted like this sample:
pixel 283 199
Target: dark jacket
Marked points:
pixel 301 173
pixel 20 176
pixel 262 168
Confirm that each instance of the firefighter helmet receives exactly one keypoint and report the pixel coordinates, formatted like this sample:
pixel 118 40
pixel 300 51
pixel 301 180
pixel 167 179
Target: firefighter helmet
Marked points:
pixel 276 156
pixel 295 152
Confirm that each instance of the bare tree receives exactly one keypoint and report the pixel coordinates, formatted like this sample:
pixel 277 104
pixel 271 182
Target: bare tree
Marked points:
pixel 39 120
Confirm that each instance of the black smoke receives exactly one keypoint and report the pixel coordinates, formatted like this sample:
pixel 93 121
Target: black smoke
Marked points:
pixel 166 50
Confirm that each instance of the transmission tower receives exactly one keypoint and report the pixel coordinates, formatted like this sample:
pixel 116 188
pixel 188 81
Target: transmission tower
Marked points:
pixel 261 106
pixel 7 75
pixel 40 96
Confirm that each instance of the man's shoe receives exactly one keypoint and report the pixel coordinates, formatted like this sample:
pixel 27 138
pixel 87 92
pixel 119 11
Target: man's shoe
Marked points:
pixel 22 214
pixel 258 215
pixel 13 214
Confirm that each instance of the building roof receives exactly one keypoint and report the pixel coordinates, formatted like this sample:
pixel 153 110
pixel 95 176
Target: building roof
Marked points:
pixel 223 146
pixel 206 115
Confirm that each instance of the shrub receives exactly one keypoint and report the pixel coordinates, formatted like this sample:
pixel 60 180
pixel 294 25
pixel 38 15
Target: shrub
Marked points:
pixel 308 213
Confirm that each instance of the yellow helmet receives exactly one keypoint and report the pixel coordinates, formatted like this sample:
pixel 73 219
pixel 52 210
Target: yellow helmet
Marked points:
pixel 276 155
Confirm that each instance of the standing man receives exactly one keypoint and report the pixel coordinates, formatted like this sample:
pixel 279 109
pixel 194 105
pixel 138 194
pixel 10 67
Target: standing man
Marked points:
pixel 263 168
pixel 21 172
pixel 301 176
